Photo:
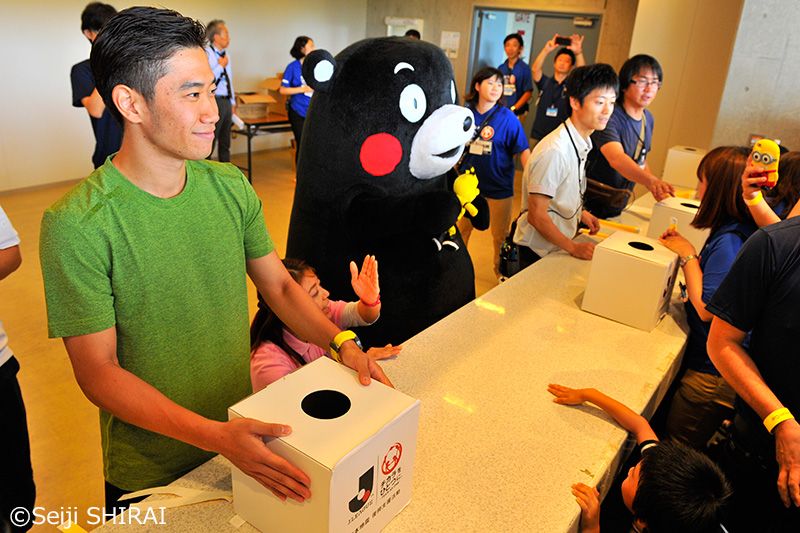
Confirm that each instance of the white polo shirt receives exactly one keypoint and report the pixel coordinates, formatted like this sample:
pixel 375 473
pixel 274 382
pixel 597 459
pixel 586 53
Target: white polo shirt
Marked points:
pixel 8 238
pixel 558 172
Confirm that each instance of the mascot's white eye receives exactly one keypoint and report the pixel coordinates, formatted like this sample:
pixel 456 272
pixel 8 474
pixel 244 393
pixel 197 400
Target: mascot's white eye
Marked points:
pixel 453 91
pixel 757 157
pixel 413 103
pixel 323 71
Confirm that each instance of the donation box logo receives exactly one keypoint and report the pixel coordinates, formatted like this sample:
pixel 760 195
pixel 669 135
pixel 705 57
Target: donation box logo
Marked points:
pixel 392 459
pixel 365 483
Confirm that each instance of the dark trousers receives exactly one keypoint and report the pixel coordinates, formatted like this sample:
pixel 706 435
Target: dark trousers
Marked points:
pixel 527 257
pixel 296 120
pixel 16 475
pixel 114 493
pixel 222 131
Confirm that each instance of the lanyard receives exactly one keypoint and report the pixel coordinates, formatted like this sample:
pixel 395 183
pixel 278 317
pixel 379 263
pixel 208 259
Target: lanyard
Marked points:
pixel 580 182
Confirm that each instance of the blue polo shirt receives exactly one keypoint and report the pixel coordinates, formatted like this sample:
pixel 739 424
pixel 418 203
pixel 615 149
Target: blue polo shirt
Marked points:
pixel 293 77
pixel 625 130
pixel 523 81
pixel 495 171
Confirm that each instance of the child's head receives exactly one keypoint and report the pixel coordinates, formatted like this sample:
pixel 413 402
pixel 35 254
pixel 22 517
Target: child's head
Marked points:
pixel 485 83
pixel 720 188
pixel 267 326
pixel 675 488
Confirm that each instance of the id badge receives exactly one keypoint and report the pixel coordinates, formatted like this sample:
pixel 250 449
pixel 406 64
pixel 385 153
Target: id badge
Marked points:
pixel 475 148
pixel 508 86
pixel 480 147
pixel 552 112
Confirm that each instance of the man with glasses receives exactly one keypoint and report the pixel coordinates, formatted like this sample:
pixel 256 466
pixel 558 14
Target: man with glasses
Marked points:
pixel 619 156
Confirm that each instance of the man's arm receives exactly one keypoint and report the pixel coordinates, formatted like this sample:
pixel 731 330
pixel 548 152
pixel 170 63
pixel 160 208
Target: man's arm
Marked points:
pixel 540 220
pixel 297 310
pixel 577 48
pixel 538 63
pixel 734 363
pixel 10 259
pixel 622 163
pixel 94 104
pixel 121 393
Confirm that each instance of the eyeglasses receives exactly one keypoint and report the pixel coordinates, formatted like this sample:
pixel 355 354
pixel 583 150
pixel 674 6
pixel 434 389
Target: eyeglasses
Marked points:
pixel 644 83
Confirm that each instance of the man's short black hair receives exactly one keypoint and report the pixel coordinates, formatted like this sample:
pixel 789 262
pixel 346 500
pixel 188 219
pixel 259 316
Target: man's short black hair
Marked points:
pixel 634 66
pixel 133 48
pixel 583 80
pixel 680 489
pixel 95 15
pixel 214 28
pixel 516 36
pixel 565 51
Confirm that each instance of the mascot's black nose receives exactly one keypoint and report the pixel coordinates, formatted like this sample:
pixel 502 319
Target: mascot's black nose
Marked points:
pixel 467 123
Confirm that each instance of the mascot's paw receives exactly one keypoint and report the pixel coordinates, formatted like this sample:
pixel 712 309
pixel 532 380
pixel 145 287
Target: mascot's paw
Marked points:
pixel 437 211
pixel 481 220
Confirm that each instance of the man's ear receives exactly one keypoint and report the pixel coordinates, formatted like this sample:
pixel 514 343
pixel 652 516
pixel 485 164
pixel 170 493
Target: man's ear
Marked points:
pixel 89 34
pixel 319 70
pixel 574 103
pixel 129 102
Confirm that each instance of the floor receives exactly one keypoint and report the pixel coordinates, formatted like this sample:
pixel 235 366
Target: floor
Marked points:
pixel 65 437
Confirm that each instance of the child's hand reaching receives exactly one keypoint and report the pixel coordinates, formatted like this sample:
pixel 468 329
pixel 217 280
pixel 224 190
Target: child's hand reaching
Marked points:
pixel 383 353
pixel 365 283
pixel 589 500
pixel 566 395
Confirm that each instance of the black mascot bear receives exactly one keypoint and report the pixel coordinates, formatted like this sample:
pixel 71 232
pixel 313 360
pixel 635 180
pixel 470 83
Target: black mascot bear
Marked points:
pixel 381 136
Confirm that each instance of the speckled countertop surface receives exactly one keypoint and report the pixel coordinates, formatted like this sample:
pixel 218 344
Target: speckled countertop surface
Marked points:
pixel 494 452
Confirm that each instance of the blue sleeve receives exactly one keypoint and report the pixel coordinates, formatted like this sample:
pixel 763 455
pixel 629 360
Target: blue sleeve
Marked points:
pixel 291 77
pixel 516 139
pixel 719 258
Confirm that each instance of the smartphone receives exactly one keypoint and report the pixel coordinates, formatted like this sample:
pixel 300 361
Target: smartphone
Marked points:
pixel 566 41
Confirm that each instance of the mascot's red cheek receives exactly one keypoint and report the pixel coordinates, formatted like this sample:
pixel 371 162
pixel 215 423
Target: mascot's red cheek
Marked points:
pixel 380 154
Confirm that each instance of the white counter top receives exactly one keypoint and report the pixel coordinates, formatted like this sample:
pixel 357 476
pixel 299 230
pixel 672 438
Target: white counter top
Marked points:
pixel 494 452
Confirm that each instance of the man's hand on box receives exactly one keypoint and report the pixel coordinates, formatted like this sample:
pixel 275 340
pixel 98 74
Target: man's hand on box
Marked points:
pixel 362 363
pixel 241 442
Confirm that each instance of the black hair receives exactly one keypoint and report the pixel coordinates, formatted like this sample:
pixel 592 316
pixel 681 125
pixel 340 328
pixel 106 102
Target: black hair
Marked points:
pixel 214 28
pixel 133 48
pixel 565 51
pixel 95 15
pixel 583 80
pixel 413 33
pixel 266 326
pixel 485 73
pixel 297 48
pixel 516 36
pixel 787 190
pixel 634 66
pixel 680 489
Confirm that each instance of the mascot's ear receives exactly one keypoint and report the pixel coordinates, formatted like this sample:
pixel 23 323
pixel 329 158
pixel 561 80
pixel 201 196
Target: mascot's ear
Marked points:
pixel 319 70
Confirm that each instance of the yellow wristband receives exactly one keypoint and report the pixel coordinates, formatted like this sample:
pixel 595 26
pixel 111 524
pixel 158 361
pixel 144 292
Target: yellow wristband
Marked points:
pixel 340 339
pixel 756 199
pixel 776 417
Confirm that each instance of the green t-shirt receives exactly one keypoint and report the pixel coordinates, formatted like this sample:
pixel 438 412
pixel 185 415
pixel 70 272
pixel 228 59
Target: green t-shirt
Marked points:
pixel 170 274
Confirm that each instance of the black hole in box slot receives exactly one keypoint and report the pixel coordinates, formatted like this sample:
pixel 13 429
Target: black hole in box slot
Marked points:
pixel 641 246
pixel 325 404
pixel 690 206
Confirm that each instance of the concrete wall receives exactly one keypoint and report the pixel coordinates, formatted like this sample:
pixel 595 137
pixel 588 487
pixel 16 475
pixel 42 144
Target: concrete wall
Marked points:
pixel 456 15
pixel 762 94
pixel 44 140
pixel 693 41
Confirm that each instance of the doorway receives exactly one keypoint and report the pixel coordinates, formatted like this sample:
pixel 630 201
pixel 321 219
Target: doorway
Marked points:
pixel 490 26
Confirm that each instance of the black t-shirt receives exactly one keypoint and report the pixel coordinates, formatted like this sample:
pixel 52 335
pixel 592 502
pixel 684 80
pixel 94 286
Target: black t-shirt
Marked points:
pixel 762 293
pixel 107 133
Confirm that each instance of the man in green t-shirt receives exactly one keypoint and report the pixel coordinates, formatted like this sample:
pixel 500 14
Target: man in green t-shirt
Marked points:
pixel 145 265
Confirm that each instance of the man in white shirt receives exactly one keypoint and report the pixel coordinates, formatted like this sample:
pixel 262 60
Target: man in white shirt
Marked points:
pixel 554 179
pixel 218 60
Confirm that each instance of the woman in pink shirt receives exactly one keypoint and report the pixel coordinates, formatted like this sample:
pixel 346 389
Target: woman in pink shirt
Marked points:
pixel 277 351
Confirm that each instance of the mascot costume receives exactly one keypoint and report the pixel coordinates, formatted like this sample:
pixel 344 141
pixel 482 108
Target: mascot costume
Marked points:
pixel 380 140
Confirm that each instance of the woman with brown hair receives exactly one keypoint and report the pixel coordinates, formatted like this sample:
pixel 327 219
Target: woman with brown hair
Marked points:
pixel 704 399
